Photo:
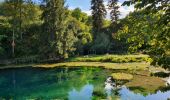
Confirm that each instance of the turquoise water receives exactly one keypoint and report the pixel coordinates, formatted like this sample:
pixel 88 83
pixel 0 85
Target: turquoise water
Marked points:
pixel 65 84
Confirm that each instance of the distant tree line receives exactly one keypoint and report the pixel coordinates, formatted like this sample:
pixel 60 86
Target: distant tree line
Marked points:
pixel 50 30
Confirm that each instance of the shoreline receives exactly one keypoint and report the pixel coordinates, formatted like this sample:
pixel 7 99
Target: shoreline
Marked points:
pixel 106 65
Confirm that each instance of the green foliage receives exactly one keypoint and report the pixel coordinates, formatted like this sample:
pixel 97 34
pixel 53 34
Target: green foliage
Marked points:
pixel 43 30
pixel 153 29
pixel 98 15
pixel 137 31
pixel 114 14
pixel 101 43
pixel 56 29
pixel 65 30
pixel 1 48
pixel 79 15
pixel 83 35
pixel 19 17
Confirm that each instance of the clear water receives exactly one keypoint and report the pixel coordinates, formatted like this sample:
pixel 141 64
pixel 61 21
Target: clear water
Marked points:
pixel 64 84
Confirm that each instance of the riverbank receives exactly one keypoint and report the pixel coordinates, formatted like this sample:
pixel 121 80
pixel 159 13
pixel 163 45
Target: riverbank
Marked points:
pixel 119 62
pixel 111 58
pixel 89 60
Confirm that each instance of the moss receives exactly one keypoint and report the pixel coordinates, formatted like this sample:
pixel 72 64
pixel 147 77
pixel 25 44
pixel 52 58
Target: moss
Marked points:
pixel 122 76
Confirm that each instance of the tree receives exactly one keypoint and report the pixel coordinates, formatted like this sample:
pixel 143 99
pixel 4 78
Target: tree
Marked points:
pixel 76 34
pixel 161 38
pixel 20 16
pixel 98 15
pixel 137 30
pixel 53 16
pixel 114 14
pixel 82 22
pixel 21 12
pixel 77 14
pixel 1 48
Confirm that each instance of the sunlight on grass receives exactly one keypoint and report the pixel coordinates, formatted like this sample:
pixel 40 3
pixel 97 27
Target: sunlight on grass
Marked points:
pixel 122 76
pixel 128 66
pixel 111 58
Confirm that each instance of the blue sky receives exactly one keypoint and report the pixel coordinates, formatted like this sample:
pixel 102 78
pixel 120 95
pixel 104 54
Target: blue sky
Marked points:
pixel 84 5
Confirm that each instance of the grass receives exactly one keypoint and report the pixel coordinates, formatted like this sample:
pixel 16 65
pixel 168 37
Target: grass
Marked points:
pixel 111 58
pixel 122 62
pixel 121 66
pixel 122 76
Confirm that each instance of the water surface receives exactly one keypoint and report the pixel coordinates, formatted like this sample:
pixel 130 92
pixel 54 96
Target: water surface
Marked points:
pixel 65 84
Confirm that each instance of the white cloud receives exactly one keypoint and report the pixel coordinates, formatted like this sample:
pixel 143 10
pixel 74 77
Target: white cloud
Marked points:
pixel 73 7
pixel 88 12
pixel 125 10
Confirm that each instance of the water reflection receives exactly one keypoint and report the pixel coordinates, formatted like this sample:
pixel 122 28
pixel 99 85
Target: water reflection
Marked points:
pixel 66 84
pixel 84 94
pixel 126 94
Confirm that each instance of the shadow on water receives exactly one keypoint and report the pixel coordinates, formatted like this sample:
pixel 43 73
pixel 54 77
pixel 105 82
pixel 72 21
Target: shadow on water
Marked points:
pixel 164 89
pixel 66 83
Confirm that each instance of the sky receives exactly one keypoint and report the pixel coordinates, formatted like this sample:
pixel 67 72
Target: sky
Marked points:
pixel 84 5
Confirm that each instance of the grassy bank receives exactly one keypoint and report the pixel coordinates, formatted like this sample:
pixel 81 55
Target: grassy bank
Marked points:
pixel 129 62
pixel 111 58
pixel 121 66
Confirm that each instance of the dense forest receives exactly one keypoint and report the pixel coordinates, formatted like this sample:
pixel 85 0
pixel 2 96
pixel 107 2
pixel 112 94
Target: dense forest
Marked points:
pixel 49 30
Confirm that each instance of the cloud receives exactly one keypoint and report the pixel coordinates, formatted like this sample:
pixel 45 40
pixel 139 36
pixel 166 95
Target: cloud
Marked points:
pixel 88 12
pixel 125 10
